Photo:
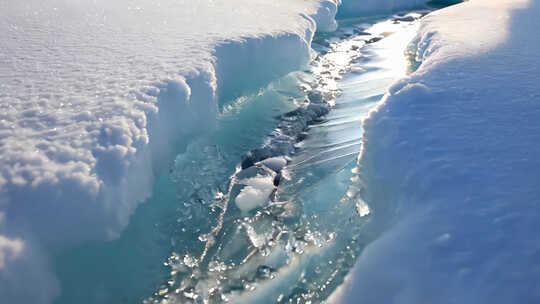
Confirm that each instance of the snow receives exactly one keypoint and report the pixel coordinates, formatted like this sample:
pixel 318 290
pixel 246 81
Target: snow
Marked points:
pixel 96 98
pixel 450 166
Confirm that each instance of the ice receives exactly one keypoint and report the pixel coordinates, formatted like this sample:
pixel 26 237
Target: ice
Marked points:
pixel 256 192
pixel 9 250
pixel 97 97
pixel 275 163
pixel 450 166
pixel 352 8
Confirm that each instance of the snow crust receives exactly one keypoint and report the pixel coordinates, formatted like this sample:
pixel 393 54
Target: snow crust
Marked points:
pixel 450 166
pixel 96 97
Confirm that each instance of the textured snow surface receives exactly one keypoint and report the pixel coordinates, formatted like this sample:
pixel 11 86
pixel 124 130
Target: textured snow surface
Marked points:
pixel 451 167
pixel 97 96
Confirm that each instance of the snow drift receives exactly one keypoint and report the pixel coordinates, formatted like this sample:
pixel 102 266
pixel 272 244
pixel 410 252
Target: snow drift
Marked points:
pixel 97 97
pixel 451 168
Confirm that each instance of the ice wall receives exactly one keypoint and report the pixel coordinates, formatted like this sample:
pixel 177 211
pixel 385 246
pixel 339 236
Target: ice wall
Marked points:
pixel 97 97
pixel 450 166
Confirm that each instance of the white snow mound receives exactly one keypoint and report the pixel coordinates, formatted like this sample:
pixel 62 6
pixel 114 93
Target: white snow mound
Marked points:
pixel 451 166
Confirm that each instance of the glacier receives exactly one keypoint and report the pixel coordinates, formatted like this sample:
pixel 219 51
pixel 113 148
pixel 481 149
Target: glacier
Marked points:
pixel 450 166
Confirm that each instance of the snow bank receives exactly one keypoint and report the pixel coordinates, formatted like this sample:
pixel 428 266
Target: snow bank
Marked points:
pixel 97 96
pixel 353 8
pixel 451 168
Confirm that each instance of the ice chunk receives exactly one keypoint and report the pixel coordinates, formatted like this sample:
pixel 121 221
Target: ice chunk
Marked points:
pixel 256 193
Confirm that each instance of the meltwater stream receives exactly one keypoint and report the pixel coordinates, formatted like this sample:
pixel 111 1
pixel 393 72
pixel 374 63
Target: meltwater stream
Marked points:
pixel 265 208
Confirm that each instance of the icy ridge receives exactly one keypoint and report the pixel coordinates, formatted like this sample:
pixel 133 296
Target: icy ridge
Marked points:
pixel 449 167
pixel 96 98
